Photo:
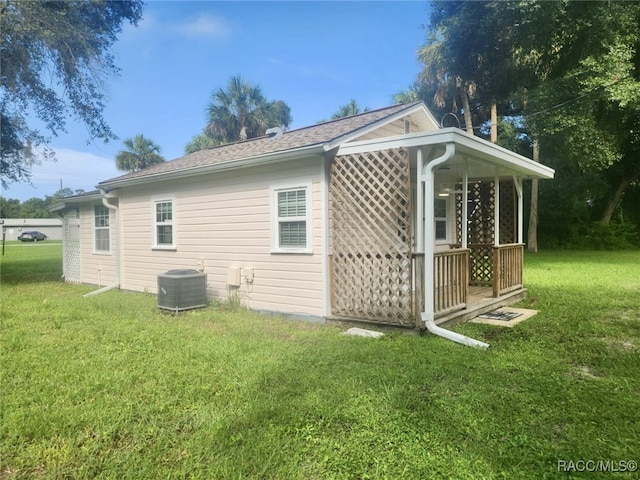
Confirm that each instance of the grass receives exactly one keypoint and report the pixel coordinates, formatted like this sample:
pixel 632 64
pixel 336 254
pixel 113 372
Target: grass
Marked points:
pixel 111 387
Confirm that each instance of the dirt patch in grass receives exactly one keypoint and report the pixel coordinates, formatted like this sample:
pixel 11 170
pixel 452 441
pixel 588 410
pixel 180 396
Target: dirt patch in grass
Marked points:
pixel 584 371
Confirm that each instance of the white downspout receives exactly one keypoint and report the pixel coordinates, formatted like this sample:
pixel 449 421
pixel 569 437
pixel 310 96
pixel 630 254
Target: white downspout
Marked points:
pixel 116 284
pixel 426 175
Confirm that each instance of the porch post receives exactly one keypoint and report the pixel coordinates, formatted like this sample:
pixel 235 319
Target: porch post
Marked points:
pixel 496 210
pixel 465 206
pixel 518 184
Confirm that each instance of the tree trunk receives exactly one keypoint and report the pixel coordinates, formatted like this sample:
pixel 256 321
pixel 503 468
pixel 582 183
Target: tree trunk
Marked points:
pixel 532 236
pixel 494 121
pixel 468 121
pixel 616 196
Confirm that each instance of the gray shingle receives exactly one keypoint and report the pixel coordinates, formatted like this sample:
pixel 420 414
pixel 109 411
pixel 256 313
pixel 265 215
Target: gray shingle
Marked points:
pixel 303 137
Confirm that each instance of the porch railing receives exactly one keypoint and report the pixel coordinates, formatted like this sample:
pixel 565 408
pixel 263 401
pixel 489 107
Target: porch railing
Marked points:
pixel 498 267
pixel 451 280
pixel 507 268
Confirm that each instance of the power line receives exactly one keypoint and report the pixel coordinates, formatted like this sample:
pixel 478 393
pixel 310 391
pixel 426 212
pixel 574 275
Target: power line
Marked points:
pixel 554 107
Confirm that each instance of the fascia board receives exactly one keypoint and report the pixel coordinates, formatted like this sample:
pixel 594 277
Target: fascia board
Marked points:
pixel 465 143
pixel 274 157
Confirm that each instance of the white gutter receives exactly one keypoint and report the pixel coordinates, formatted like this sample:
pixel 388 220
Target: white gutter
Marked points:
pixel 426 175
pixel 116 284
pixel 466 144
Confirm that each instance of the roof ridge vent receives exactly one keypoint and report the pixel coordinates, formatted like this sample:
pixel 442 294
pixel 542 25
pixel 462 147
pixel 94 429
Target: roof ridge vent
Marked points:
pixel 274 132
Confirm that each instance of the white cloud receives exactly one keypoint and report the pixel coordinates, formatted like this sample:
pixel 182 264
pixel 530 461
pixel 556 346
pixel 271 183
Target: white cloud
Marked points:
pixel 205 26
pixel 74 169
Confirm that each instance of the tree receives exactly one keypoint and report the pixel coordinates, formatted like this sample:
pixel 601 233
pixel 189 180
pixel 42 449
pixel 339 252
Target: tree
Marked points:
pixel 202 141
pixel 412 93
pixel 444 86
pixel 35 208
pixel 139 153
pixel 569 70
pixel 9 208
pixel 54 58
pixel 241 112
pixel 349 109
pixel 589 99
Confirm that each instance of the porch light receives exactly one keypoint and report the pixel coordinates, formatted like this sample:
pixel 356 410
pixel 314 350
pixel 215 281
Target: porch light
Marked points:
pixel 445 192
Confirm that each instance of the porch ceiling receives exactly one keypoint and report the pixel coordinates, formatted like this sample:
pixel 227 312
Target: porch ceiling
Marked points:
pixel 483 159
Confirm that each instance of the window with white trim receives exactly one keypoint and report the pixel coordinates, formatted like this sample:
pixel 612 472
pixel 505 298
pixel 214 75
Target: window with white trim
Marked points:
pixel 440 219
pixel 101 229
pixel 163 235
pixel 292 229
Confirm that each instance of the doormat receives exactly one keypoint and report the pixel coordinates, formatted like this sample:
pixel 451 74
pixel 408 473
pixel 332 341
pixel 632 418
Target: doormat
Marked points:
pixel 500 315
pixel 505 316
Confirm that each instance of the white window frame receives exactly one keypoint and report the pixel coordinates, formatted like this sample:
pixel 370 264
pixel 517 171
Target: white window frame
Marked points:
pixel 97 228
pixel 440 241
pixel 276 220
pixel 154 221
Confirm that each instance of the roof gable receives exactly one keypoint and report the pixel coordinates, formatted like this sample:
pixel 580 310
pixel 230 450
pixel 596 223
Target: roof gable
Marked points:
pixel 313 139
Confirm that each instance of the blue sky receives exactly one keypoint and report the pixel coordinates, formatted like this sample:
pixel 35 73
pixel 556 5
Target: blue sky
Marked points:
pixel 315 56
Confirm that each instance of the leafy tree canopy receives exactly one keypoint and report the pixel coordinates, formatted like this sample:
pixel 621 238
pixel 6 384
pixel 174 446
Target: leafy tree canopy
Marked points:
pixel 54 58
pixel 139 153
pixel 239 113
pixel 349 109
pixel 34 207
pixel 568 71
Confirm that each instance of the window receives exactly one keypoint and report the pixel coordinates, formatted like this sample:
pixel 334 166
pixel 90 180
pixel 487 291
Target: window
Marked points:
pixel 440 219
pixel 101 229
pixel 163 224
pixel 292 230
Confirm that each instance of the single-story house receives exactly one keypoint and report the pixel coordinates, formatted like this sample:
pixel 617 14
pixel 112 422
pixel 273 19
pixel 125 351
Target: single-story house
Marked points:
pixel 382 217
pixel 13 227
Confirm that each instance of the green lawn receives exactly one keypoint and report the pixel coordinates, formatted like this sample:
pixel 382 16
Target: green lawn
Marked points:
pixel 110 387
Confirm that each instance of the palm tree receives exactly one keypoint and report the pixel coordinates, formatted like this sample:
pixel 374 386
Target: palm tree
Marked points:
pixel 202 141
pixel 351 108
pixel 139 153
pixel 410 94
pixel 241 112
pixel 436 74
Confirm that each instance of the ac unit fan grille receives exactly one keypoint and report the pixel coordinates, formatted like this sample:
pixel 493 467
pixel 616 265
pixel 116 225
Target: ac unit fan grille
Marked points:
pixel 182 290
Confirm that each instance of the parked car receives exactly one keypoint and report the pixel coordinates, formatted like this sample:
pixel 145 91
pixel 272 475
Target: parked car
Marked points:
pixel 32 236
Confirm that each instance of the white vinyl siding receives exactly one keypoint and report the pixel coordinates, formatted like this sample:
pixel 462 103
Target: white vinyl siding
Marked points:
pixel 292 228
pixel 225 219
pixel 101 233
pixel 163 231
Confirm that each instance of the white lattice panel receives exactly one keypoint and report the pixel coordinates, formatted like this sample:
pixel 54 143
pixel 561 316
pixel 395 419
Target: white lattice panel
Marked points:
pixel 370 237
pixel 71 247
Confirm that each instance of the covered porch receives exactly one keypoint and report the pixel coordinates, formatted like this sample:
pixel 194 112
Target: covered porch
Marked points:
pixel 426 227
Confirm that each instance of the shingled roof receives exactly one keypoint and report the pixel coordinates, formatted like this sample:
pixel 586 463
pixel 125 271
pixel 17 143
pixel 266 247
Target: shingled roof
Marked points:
pixel 320 135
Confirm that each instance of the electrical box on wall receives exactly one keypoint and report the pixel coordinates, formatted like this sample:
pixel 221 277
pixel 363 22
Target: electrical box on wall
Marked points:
pixel 247 272
pixel 233 276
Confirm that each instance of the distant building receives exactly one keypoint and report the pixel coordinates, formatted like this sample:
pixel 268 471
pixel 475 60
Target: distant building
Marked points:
pixel 13 227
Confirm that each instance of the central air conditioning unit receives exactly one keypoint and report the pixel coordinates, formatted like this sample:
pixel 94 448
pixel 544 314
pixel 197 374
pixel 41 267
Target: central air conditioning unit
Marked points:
pixel 182 290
